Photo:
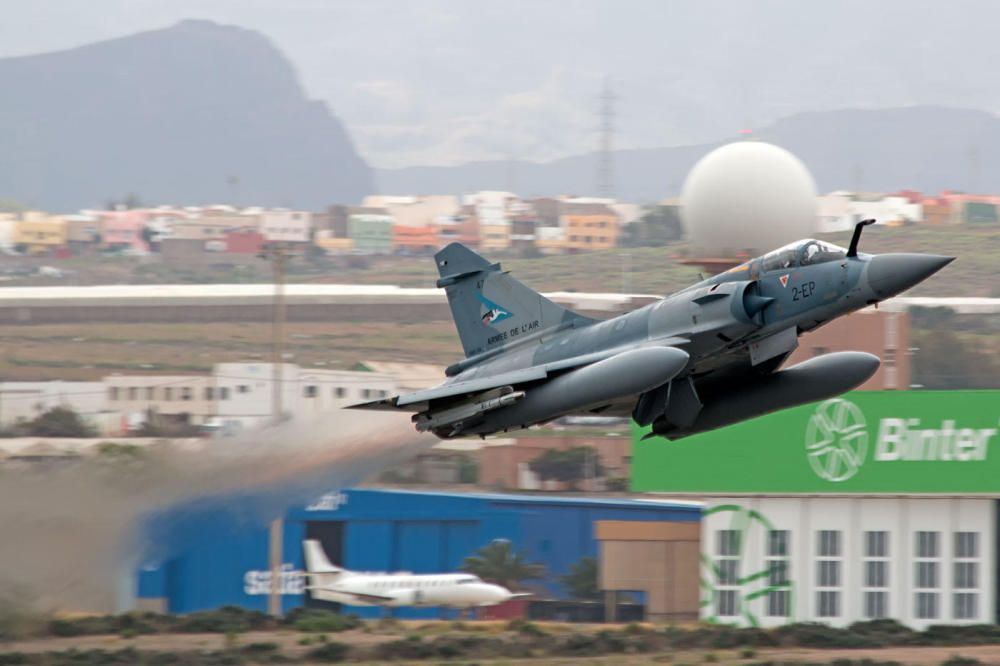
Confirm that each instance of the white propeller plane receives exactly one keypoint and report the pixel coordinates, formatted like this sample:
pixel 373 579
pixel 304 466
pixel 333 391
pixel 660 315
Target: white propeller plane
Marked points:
pixel 328 582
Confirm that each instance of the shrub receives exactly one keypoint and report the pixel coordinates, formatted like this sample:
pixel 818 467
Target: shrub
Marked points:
pixel 412 647
pixel 329 652
pixel 314 620
pixel 748 653
pixel 958 660
pixel 525 627
pixel 810 634
pixel 223 621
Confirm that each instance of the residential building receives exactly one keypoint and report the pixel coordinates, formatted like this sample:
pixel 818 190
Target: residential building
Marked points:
pixel 330 244
pixel 286 226
pixel 463 227
pixel 937 211
pixel 522 232
pixel 332 220
pixel 83 231
pixel 245 240
pixel 589 226
pixel 548 211
pixel 414 240
pixel 370 229
pixel 39 232
pixel 8 231
pixel 550 240
pixel 494 237
pixel 122 230
pixel 423 211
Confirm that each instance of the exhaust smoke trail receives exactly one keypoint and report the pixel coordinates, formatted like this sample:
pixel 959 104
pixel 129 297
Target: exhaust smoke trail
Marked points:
pixel 68 535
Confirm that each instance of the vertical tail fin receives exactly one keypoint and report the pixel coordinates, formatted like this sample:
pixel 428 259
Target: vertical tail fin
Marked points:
pixel 321 571
pixel 490 308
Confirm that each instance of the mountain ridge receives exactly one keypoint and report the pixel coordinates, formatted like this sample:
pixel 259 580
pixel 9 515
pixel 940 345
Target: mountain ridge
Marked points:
pixel 194 113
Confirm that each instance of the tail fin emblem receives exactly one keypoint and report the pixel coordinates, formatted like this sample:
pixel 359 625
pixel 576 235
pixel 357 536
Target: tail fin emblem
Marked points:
pixel 494 313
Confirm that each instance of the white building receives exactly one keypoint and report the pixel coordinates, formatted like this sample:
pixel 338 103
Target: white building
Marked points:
pixel 286 226
pixel 23 401
pixel 840 560
pixel 840 211
pixel 306 392
pixel 413 211
pixel 182 399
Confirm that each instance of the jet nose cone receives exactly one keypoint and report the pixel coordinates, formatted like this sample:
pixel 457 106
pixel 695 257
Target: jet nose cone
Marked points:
pixel 890 274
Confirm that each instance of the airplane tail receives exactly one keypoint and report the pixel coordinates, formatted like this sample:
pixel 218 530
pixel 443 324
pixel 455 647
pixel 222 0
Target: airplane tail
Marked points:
pixel 321 571
pixel 490 308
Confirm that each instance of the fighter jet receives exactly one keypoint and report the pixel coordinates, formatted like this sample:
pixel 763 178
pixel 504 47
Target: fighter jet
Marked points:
pixel 704 357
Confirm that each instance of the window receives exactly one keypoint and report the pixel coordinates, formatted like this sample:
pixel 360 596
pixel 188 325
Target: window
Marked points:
pixel 366 393
pixel 965 605
pixel 728 572
pixel 829 573
pixel 875 604
pixel 926 568
pixel 828 579
pixel 224 393
pixel 927 574
pixel 242 388
pixel 727 566
pixel 209 393
pixel 876 544
pixel 927 605
pixel 829 543
pixel 965 600
pixel 133 393
pixel 728 542
pixel 927 544
pixel 185 393
pixel 113 393
pixel 168 393
pixel 776 561
pixel 725 603
pixel 966 544
pixel 777 543
pixel 875 573
pixel 965 575
pixel 829 603
pixel 340 392
pixel 310 391
pixel 150 393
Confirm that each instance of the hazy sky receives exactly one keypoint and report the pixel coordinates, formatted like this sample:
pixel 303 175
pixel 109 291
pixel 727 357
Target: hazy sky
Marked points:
pixel 447 81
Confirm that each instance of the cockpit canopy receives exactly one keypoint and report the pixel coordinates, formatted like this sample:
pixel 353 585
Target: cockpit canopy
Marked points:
pixel 802 253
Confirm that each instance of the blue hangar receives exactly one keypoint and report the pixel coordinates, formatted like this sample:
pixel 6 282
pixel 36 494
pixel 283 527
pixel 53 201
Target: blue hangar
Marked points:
pixel 221 558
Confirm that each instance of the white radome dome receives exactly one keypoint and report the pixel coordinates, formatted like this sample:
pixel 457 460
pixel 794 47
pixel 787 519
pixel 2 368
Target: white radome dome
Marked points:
pixel 745 196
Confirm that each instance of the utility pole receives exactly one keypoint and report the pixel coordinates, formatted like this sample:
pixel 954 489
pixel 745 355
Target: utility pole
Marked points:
pixel 278 254
pixel 279 261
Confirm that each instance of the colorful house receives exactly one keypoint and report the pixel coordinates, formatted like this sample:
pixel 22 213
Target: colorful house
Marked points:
pixel 122 230
pixel 38 232
pixel 589 226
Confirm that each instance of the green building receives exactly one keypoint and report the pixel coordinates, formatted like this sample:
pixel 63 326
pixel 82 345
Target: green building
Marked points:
pixel 874 504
